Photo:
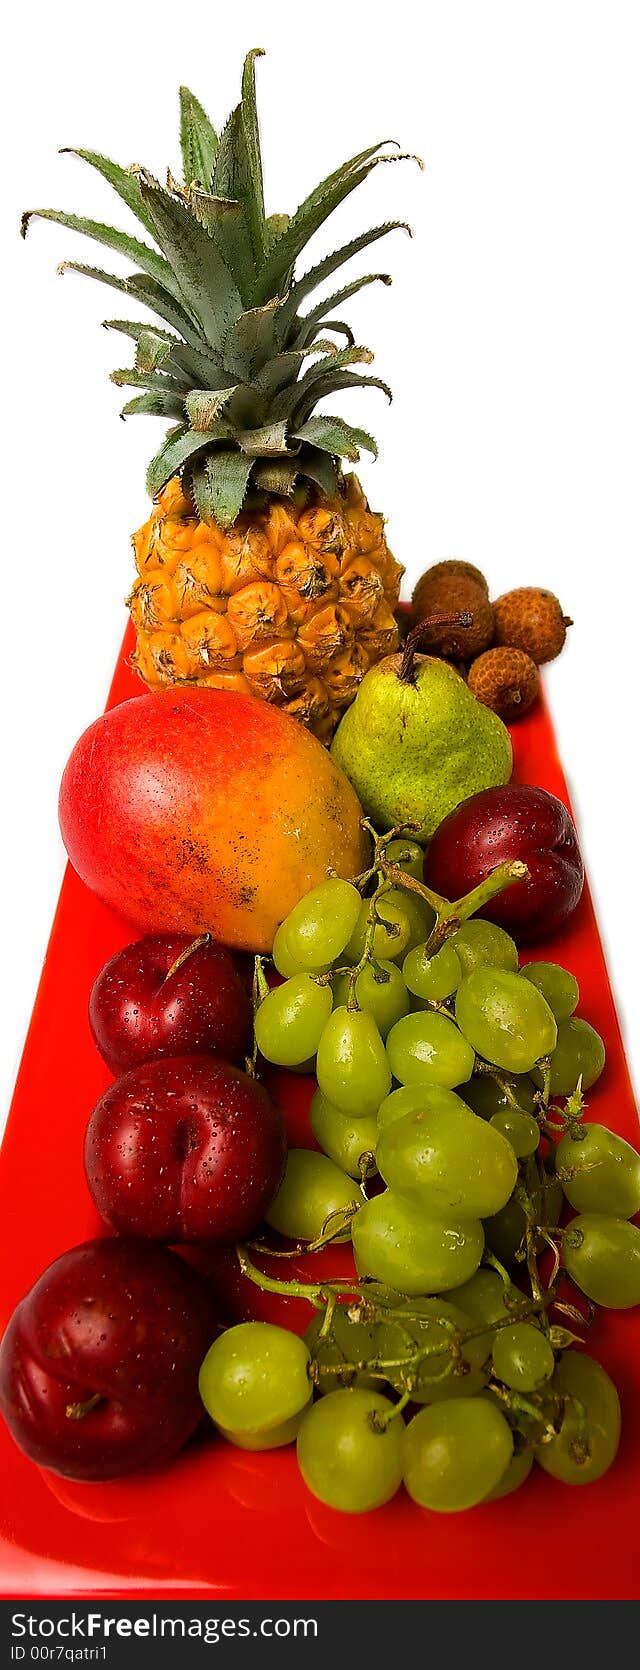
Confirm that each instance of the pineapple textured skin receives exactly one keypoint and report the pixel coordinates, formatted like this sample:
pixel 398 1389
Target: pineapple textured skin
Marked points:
pixel 292 604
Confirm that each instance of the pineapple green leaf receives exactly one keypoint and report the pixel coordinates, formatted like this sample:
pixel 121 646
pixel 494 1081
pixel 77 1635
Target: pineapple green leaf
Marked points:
pixel 145 291
pixel 268 442
pixel 332 383
pixel 178 447
pixel 275 225
pixel 279 371
pixel 198 141
pixel 219 485
pixel 327 366
pixel 227 221
pixel 134 328
pixel 320 468
pixel 276 475
pixel 152 350
pixel 251 131
pixel 205 282
pixel 249 344
pixel 312 214
pixel 129 377
pixel 337 325
pixel 205 405
pixel 156 403
pixel 333 435
pixel 332 263
pixel 204 370
pixel 233 178
pixel 152 263
pixel 149 293
pixel 122 180
pixel 318 314
pixel 283 368
pixel 186 363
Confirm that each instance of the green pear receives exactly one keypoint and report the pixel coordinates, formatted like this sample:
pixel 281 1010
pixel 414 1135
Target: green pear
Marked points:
pixel 415 742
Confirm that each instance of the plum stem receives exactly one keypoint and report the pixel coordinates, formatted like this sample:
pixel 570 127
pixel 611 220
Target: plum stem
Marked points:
pixel 202 939
pixel 77 1411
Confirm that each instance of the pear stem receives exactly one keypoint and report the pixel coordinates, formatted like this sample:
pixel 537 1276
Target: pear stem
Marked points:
pixel 420 637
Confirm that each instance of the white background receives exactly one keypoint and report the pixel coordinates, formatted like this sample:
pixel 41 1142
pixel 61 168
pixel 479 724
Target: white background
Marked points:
pixel 511 337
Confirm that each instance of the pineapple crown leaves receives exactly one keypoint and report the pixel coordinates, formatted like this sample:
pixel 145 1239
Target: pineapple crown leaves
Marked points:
pixel 231 357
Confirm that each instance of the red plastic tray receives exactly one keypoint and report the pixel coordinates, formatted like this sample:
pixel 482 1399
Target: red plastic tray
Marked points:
pixel 240 1526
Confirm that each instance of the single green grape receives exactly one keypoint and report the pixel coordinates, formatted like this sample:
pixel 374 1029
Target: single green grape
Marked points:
pixel 291 1019
pixel 346 1140
pixel 283 958
pixel 349 1451
pixel 517 1472
pixel 505 1231
pixel 579 1054
pixel 522 1357
pixel 455 1452
pixel 485 1298
pixel 275 1439
pixel 396 1243
pixel 408 856
pixel 520 1129
pixel 321 924
pixel 422 919
pixel 433 978
pixel 441 1375
pixel 412 1098
pixel 254 1383
pixel 602 1255
pixel 505 1018
pixel 429 1049
pixel 311 1191
pixel 484 945
pixel 558 986
pixel 600 1172
pixel 352 1065
pixel 486 1095
pixel 335 1354
pixel 589 1435
pixel 380 990
pixel 391 934
pixel 455 1164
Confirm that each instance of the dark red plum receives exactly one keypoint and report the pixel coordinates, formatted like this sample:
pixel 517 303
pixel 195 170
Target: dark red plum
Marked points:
pixel 185 1149
pixel 515 821
pixel 99 1363
pixel 160 997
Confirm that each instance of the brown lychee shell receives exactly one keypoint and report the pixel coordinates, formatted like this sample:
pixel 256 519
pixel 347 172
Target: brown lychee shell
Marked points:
pixel 531 619
pixel 452 568
pixel 454 594
pixel 505 680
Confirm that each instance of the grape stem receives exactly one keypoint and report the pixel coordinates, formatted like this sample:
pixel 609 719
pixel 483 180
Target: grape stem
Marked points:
pixel 373 919
pixel 380 1422
pixel 325 1296
pixel 449 914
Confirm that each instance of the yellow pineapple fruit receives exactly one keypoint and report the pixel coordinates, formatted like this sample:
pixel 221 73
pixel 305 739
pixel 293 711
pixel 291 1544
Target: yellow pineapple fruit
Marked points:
pixel 297 623
pixel 261 568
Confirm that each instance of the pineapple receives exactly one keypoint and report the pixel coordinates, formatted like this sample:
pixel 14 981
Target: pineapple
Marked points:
pixel 261 568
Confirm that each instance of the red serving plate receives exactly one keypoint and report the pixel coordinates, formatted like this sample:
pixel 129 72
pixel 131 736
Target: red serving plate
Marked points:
pixel 223 1522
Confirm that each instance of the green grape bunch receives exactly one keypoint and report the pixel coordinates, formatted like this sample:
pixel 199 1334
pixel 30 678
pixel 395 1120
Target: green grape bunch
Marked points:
pixel 450 1118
